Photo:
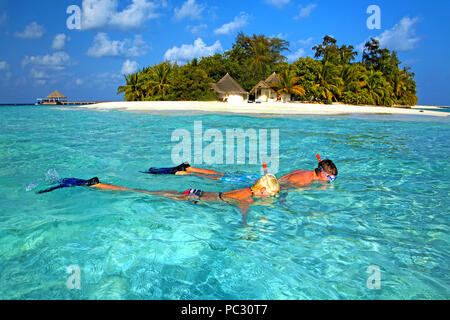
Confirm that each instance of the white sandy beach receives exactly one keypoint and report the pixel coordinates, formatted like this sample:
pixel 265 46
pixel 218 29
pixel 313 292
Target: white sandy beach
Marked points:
pixel 276 108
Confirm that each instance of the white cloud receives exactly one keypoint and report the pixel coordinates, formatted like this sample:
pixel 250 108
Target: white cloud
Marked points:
pixel 4 65
pixel 103 47
pixel 47 68
pixel 296 55
pixel 189 9
pixel 32 31
pixel 304 46
pixel 106 79
pixel 100 80
pixel 197 29
pixel 59 42
pixel 188 52
pixel 400 37
pixel 5 73
pixel 305 11
pixel 278 3
pixel 129 67
pixel 306 42
pixel 229 28
pixel 99 14
pixel 41 77
pixel 56 61
pixel 280 36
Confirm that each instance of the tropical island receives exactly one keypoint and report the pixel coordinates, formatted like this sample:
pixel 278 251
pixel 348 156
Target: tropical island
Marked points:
pixel 255 69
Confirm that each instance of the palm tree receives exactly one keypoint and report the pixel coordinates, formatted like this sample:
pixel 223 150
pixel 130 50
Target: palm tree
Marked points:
pixel 347 54
pixel 260 54
pixel 354 77
pixel 132 90
pixel 400 84
pixel 330 83
pixel 377 87
pixel 288 84
pixel 158 82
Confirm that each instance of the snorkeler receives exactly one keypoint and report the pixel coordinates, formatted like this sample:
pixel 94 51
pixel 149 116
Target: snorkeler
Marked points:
pixel 265 187
pixel 326 171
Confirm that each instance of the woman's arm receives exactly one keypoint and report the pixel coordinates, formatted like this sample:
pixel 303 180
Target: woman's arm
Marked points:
pixel 167 194
pixel 103 186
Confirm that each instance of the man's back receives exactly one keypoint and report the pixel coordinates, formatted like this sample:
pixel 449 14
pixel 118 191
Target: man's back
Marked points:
pixel 297 178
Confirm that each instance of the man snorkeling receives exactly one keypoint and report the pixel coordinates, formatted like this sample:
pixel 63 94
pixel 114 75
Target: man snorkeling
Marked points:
pixel 325 172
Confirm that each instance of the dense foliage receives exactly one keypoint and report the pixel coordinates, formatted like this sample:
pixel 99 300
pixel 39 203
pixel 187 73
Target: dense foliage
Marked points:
pixel 333 75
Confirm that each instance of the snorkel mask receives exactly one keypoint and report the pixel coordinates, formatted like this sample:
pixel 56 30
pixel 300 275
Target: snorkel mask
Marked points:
pixel 330 177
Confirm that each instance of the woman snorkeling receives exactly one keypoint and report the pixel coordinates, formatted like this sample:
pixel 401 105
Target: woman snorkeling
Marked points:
pixel 266 186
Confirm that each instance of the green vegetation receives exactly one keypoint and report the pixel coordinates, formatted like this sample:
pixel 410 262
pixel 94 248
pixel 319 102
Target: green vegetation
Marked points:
pixel 333 75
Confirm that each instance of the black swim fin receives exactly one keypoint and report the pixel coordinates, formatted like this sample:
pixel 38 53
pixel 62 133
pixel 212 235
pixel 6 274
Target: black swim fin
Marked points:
pixel 181 167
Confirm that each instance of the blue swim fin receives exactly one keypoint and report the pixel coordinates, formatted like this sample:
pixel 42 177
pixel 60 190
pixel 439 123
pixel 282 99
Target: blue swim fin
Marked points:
pixel 72 182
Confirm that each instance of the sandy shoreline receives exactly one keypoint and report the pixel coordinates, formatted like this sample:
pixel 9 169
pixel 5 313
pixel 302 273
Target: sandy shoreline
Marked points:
pixel 276 108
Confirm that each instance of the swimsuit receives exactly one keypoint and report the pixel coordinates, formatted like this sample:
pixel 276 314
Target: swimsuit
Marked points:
pixel 194 192
pixel 200 193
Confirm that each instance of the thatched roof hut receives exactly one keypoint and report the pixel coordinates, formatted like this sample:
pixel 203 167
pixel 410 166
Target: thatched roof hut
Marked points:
pixel 265 91
pixel 56 95
pixel 260 85
pixel 266 84
pixel 227 85
pixel 273 78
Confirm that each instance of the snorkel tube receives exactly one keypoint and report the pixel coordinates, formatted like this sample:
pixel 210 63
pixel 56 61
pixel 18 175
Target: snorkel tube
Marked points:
pixel 318 158
pixel 265 168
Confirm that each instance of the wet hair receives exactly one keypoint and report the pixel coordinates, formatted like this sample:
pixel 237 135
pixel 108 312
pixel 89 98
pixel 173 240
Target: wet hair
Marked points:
pixel 270 182
pixel 328 166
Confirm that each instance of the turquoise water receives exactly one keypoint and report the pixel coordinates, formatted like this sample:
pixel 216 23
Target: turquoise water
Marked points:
pixel 439 110
pixel 388 208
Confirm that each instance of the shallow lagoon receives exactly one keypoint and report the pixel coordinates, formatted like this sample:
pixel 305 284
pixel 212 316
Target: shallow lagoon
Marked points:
pixel 388 208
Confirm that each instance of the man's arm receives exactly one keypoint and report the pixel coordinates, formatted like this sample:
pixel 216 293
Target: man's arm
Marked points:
pixel 204 171
pixel 207 176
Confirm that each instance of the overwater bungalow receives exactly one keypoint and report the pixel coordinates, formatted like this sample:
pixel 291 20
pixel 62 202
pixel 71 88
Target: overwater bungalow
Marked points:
pixel 229 90
pixel 55 97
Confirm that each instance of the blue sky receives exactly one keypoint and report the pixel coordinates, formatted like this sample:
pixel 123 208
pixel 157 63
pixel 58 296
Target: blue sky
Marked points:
pixel 40 54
